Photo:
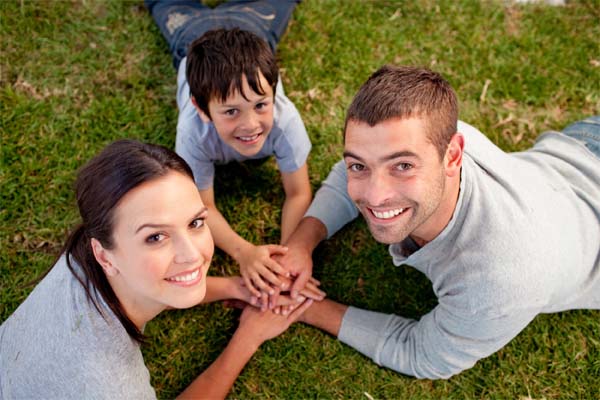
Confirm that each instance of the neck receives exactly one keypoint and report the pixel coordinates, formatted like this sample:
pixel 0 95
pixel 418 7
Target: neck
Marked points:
pixel 443 213
pixel 136 309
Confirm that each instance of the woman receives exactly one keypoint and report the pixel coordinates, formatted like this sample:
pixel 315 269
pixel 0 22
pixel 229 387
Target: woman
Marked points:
pixel 142 247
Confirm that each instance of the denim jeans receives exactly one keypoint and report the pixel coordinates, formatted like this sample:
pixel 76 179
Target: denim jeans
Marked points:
pixel 183 21
pixel 586 131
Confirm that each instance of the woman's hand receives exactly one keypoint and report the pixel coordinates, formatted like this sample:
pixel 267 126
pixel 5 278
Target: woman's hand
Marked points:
pixel 257 327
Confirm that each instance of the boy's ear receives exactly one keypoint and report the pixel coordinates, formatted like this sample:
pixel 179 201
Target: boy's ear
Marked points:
pixel 104 258
pixel 205 118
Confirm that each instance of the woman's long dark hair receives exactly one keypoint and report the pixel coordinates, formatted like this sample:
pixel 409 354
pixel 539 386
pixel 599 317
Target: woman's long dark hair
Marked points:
pixel 101 184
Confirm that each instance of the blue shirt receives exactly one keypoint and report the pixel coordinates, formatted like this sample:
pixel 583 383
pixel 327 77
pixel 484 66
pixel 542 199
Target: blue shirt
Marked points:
pixel 201 147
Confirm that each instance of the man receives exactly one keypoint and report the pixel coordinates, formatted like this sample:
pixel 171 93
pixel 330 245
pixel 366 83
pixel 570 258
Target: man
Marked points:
pixel 502 237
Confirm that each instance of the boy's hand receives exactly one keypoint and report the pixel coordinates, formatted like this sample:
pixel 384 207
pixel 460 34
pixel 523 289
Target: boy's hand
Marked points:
pixel 257 265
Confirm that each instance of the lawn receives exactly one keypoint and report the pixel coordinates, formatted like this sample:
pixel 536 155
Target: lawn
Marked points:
pixel 77 75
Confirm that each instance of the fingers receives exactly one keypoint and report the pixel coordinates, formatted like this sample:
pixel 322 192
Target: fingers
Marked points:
pixel 300 283
pixel 276 249
pixel 274 298
pixel 294 315
pixel 312 292
pixel 248 283
pixel 314 281
pixel 275 267
pixel 260 284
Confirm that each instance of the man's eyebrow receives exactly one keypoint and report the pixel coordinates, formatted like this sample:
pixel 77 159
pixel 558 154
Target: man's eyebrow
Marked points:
pixel 159 226
pixel 397 154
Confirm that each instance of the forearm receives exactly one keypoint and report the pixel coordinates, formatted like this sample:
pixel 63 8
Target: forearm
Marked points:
pixel 219 288
pixel 224 236
pixel 326 315
pixel 293 209
pixel 309 233
pixel 216 381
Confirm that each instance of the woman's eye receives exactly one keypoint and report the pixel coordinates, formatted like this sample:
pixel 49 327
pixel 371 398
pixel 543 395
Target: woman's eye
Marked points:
pixel 197 223
pixel 260 106
pixel 157 237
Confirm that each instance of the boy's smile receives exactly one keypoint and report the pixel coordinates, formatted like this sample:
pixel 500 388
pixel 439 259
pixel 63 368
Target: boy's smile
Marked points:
pixel 244 120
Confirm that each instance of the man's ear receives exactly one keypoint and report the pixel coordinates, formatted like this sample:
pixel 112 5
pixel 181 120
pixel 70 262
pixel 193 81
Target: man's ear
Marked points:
pixel 104 258
pixel 205 118
pixel 454 153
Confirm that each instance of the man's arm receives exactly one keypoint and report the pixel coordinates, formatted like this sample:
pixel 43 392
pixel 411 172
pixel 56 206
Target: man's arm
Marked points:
pixel 297 199
pixel 441 344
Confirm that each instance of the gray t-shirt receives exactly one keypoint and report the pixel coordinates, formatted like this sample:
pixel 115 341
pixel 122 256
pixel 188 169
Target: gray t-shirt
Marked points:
pixel 201 147
pixel 524 239
pixel 56 345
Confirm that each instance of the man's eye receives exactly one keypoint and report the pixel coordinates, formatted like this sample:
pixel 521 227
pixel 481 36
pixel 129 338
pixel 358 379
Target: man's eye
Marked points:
pixel 197 223
pixel 157 237
pixel 357 167
pixel 404 166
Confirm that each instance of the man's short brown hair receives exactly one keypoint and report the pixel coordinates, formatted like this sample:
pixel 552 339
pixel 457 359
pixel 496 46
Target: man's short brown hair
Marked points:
pixel 217 60
pixel 407 92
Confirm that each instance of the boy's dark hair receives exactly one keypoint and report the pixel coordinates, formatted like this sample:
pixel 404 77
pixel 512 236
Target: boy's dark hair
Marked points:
pixel 406 92
pixel 217 60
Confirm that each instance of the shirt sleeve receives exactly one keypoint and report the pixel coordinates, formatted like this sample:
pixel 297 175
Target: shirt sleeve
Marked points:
pixel 292 147
pixel 439 345
pixel 332 204
pixel 190 130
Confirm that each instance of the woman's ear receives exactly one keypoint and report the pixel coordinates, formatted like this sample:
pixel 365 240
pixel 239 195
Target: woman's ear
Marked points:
pixel 104 258
pixel 205 118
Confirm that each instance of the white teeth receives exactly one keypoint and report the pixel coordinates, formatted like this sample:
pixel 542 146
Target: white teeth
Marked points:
pixel 247 138
pixel 388 214
pixel 185 278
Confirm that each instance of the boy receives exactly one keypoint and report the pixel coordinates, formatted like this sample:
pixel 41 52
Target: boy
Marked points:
pixel 237 111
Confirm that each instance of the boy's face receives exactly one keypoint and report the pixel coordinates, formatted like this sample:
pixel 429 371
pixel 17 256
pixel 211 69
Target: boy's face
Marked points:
pixel 244 124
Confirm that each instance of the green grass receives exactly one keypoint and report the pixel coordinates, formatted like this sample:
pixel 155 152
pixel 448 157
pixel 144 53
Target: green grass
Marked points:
pixel 77 75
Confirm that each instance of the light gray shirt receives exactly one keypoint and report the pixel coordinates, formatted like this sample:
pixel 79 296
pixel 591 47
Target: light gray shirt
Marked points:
pixel 524 239
pixel 56 345
pixel 199 144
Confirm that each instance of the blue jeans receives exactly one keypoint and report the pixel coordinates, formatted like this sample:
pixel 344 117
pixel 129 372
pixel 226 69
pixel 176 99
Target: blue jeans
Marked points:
pixel 586 131
pixel 183 21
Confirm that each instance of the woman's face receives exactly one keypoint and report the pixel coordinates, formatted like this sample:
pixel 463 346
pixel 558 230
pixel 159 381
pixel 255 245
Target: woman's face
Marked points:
pixel 162 248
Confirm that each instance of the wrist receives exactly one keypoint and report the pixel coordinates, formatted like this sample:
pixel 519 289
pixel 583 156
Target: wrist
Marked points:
pixel 248 342
pixel 240 250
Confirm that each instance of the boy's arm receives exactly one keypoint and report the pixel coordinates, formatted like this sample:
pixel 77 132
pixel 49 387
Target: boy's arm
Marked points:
pixel 255 261
pixel 297 199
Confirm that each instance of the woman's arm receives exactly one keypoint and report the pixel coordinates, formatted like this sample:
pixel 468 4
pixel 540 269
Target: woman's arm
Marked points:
pixel 255 328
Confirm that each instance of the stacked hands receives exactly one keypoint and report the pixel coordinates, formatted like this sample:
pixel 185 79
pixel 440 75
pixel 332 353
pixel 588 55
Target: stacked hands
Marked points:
pixel 277 278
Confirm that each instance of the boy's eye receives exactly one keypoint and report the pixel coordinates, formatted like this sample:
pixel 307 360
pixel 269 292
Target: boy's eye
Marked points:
pixel 230 112
pixel 157 237
pixel 197 223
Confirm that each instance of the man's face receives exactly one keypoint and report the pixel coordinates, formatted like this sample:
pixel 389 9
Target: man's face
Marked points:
pixel 244 124
pixel 397 180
